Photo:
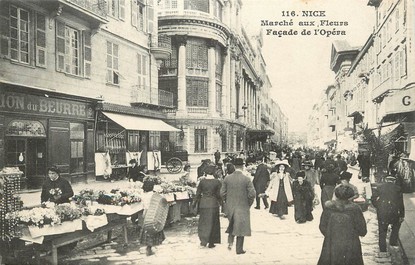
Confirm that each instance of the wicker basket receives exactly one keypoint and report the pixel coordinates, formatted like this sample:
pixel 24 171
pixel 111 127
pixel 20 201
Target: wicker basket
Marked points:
pixel 156 215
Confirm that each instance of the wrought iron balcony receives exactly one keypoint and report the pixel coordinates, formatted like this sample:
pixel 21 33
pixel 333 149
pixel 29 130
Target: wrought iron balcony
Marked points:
pixel 161 48
pixel 143 95
pixel 94 11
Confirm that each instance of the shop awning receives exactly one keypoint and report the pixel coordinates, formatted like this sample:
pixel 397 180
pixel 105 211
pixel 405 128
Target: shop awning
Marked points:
pixel 136 123
pixel 388 128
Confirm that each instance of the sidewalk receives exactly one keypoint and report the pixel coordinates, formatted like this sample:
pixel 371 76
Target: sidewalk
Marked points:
pixel 407 231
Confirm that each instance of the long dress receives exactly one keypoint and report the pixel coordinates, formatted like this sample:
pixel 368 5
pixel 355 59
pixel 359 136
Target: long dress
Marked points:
pixel 280 207
pixel 303 201
pixel 209 199
pixel 148 238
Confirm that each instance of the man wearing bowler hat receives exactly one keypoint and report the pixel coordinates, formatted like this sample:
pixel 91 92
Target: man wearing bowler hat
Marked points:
pixel 239 193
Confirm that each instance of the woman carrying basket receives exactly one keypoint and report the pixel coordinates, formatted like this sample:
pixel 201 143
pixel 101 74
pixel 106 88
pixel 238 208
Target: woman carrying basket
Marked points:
pixel 149 237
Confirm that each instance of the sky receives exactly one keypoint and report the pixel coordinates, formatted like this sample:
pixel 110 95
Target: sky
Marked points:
pixel 299 66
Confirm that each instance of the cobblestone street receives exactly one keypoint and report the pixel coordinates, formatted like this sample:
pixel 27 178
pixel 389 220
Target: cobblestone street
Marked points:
pixel 273 241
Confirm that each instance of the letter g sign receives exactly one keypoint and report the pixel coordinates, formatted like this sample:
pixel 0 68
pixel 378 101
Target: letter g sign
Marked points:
pixel 406 100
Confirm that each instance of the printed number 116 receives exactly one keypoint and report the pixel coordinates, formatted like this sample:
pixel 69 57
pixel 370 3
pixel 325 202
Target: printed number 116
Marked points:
pixel 288 13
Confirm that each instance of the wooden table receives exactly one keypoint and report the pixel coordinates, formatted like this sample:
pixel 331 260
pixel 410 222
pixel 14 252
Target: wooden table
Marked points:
pixel 55 241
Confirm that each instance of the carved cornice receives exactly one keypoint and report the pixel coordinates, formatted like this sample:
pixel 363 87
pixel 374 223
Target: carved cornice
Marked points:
pixel 174 21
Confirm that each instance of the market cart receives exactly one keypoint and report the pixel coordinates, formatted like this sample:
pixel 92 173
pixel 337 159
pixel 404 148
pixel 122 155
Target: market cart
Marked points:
pixel 173 160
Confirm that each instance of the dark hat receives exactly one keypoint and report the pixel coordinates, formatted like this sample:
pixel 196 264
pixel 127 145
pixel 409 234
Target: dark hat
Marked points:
pixel 132 161
pixel 346 175
pixel 238 162
pixel 300 174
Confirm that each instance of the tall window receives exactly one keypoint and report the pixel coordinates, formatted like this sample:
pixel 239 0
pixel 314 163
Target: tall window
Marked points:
pixel 170 4
pixel 77 138
pixel 218 97
pixel 196 54
pixel 402 60
pixel 116 8
pixel 69 45
pixel 200 140
pixel 22 35
pixel 19 34
pixel 218 10
pixel 197 92
pixel 199 5
pixel 112 63
pixel 137 14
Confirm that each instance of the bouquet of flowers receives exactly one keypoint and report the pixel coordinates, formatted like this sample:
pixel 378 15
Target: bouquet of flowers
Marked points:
pixel 55 192
pixel 87 195
pixel 38 216
pixel 120 197
pixel 68 212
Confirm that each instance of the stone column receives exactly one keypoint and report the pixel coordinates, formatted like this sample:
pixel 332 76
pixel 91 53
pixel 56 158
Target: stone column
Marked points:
pixel 212 77
pixel 181 75
pixel 226 84
pixel 232 99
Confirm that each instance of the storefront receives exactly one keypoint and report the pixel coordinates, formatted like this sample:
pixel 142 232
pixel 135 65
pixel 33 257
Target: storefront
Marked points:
pixel 39 129
pixel 122 134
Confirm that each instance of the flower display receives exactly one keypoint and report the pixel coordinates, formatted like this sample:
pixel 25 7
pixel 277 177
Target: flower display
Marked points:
pixel 87 195
pixel 68 212
pixel 38 216
pixel 120 197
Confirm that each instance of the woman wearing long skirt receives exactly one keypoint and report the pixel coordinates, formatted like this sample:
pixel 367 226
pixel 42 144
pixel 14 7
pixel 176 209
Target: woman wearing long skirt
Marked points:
pixel 279 190
pixel 208 199
pixel 149 238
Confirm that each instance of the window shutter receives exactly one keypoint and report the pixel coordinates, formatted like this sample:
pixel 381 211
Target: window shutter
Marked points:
pixel 150 16
pixel 122 10
pixel 87 54
pixel 134 13
pixel 139 67
pixel 60 46
pixel 40 40
pixel 4 30
pixel 144 61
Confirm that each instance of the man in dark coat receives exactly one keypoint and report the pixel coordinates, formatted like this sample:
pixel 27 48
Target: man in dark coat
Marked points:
pixel 388 201
pixel 239 194
pixel 217 156
pixel 260 181
pixel 56 189
pixel 341 164
pixel 364 164
pixel 341 223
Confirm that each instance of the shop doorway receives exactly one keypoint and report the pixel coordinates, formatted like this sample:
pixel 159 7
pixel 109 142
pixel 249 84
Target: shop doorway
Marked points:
pixel 29 155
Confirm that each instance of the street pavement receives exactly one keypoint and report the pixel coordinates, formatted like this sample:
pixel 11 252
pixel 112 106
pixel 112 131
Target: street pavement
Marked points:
pixel 273 241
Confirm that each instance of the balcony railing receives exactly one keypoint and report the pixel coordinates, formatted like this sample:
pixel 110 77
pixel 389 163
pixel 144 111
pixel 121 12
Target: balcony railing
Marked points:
pixel 97 7
pixel 93 11
pixel 140 94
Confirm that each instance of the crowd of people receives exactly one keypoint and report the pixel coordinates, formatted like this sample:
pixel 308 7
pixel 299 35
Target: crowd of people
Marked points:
pixel 291 180
pixel 233 184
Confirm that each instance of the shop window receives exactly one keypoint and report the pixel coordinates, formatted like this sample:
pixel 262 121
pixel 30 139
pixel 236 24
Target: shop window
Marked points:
pixel 22 35
pixel 77 138
pixel 113 76
pixel 133 141
pixel 200 140
pixel 197 92
pixel 73 48
pixel 154 141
